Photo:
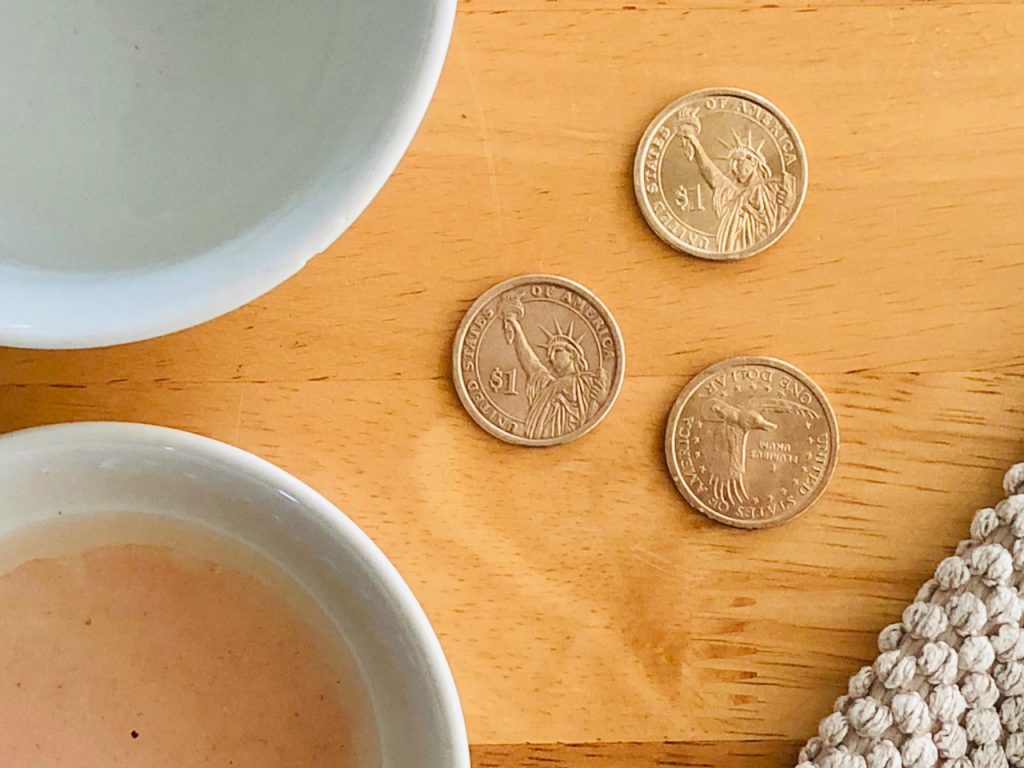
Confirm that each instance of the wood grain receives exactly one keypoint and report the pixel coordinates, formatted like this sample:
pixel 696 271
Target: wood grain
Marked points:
pixel 740 754
pixel 578 598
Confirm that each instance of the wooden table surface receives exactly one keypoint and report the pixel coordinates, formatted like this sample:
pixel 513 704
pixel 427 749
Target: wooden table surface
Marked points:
pixel 590 617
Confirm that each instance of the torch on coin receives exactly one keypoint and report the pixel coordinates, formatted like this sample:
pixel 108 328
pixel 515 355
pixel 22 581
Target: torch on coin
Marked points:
pixel 511 306
pixel 687 118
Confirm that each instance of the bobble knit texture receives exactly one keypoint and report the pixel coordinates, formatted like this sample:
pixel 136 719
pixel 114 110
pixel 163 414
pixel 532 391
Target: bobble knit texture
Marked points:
pixel 947 688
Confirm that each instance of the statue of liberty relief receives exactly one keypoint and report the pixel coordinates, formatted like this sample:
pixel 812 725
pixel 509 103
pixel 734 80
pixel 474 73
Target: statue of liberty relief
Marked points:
pixel 562 393
pixel 749 202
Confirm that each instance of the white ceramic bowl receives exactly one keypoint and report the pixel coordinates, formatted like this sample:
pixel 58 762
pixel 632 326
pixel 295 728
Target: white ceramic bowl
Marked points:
pixel 162 163
pixel 81 469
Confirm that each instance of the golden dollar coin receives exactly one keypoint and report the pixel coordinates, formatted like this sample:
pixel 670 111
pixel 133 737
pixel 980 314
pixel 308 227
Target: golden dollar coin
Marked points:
pixel 752 442
pixel 538 360
pixel 720 174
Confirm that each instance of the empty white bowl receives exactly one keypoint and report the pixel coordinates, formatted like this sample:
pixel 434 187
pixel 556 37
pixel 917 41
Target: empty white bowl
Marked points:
pixel 162 163
pixel 102 468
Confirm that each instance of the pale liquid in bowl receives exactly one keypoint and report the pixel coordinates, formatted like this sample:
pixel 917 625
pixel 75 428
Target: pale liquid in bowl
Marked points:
pixel 136 640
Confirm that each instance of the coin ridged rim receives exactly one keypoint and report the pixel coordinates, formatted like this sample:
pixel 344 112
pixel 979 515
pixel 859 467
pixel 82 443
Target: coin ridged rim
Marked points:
pixel 460 382
pixel 673 422
pixel 643 203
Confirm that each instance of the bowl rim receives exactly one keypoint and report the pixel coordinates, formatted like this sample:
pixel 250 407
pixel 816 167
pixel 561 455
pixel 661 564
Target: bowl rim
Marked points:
pixel 308 235
pixel 421 632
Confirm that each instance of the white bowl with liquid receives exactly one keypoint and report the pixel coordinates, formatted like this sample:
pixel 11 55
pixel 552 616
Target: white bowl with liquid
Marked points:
pixel 69 472
pixel 162 163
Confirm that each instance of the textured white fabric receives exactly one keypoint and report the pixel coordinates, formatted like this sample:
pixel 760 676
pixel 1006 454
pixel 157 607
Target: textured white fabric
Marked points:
pixel 947 687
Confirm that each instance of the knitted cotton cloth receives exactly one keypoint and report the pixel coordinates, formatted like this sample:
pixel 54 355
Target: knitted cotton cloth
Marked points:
pixel 947 688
